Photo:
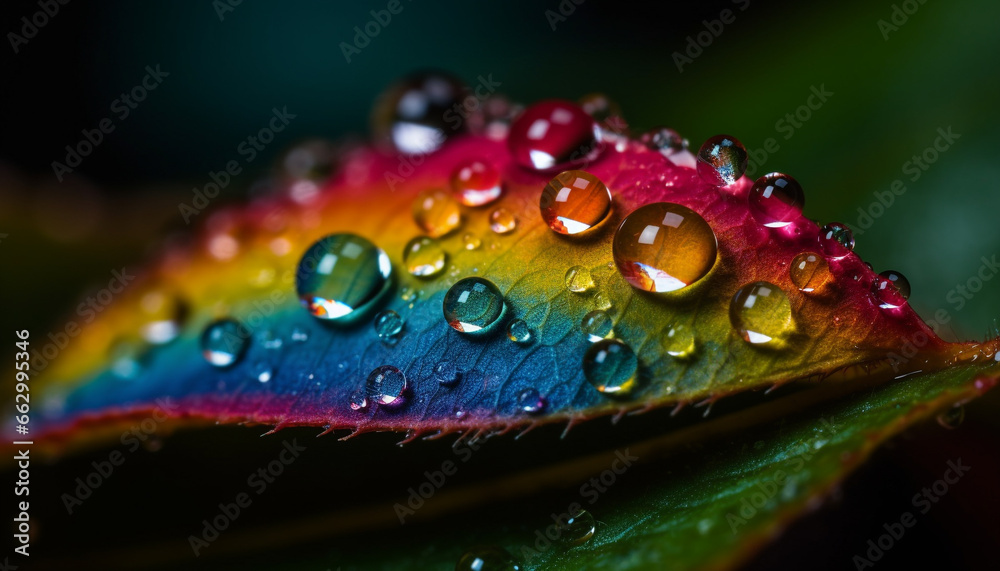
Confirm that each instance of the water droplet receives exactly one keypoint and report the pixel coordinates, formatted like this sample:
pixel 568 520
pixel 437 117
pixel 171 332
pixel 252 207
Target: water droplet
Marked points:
pixel 762 314
pixel 224 341
pixel 359 400
pixel 678 341
pixel 552 135
pixel 386 386
pixel 471 242
pixel 476 182
pixel 891 289
pixel 300 335
pixel 574 201
pixel 519 332
pixel 664 140
pixel 270 340
pixel 263 372
pixel 664 247
pixel 776 200
pixel 597 325
pixel 127 358
pixel 163 314
pixel 413 114
pixel 408 294
pixel 836 239
pixel 446 373
pixel 424 257
pixel 579 528
pixel 388 326
pixel 472 305
pixel 579 280
pixel 308 160
pixel 809 272
pixel 502 221
pixel 611 366
pixel 341 275
pixel 600 106
pixel 952 418
pixel 487 558
pixel 530 401
pixel 436 212
pixel 722 160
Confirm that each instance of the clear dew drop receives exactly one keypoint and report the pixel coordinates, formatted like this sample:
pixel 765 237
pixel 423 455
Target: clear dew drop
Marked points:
pixel 837 240
pixel 473 305
pixel 776 200
pixel 388 326
pixel 601 301
pixel 578 529
pixel 664 247
pixel 413 113
pixel 224 341
pixel 952 418
pixel 762 314
pixel 574 201
pixel 722 160
pixel 502 221
pixel 679 341
pixel 597 325
pixel 809 272
pixel 487 558
pixel 664 140
pixel 552 135
pixel 579 280
pixel 476 182
pixel 519 332
pixel 299 335
pixel 436 212
pixel 424 257
pixel 163 315
pixel 890 289
pixel 341 275
pixel 471 242
pixel 262 371
pixel 530 401
pixel 446 373
pixel 386 386
pixel 359 401
pixel 611 367
pixel 128 358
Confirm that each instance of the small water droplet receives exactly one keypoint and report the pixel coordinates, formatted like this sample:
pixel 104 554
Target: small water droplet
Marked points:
pixel 552 135
pixel 359 400
pixel 300 335
pixel 663 247
pixel 678 341
pixel 487 558
pixel 664 140
pixel 611 367
pixel 519 332
pixel 762 314
pixel 602 301
pixel 579 528
pixel 776 200
pixel 473 305
pixel 436 212
pixel 414 113
pixel 502 221
pixel 163 314
pixel 837 240
pixel 952 418
pixel 600 106
pixel 530 401
pixel 311 160
pixel 408 294
pixel 722 160
pixel 574 201
pixel 891 289
pixel 341 275
pixel 388 326
pixel 471 242
pixel 263 372
pixel 579 280
pixel 809 272
pixel 424 257
pixel 446 373
pixel 270 340
pixel 386 386
pixel 476 182
pixel 597 325
pixel 224 341
pixel 128 358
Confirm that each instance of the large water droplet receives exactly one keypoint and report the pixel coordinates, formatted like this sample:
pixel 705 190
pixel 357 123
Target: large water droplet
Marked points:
pixel 424 257
pixel 579 280
pixel 611 366
pixel 891 289
pixel 388 326
pixel 341 275
pixel 809 272
pixel 762 314
pixel 664 140
pixel 224 341
pixel 436 212
pixel 476 182
pixel 722 160
pixel 446 373
pixel 776 200
pixel 163 314
pixel 579 528
pixel 487 558
pixel 386 386
pixel 553 135
pixel 502 221
pixel 597 325
pixel 837 240
pixel 574 201
pixel 952 418
pixel 678 341
pixel 414 113
pixel 664 247
pixel 530 401
pixel 472 305
pixel 519 332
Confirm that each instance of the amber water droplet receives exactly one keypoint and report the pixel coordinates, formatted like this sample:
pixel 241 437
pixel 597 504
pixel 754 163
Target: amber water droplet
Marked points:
pixel 386 386
pixel 163 314
pixel 471 242
pixel 473 305
pixel 809 272
pixel 952 418
pixel 502 221
pixel 678 341
pixel 579 280
pixel 762 314
pixel 553 135
pixel 891 289
pixel 664 247
pixel 414 113
pixel 476 182
pixel 611 367
pixel 424 257
pixel 578 529
pixel 837 240
pixel 722 160
pixel 519 332
pixel 530 401
pixel 776 200
pixel 664 140
pixel 574 202
pixel 436 212
pixel 341 275
pixel 487 558
pixel 597 325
